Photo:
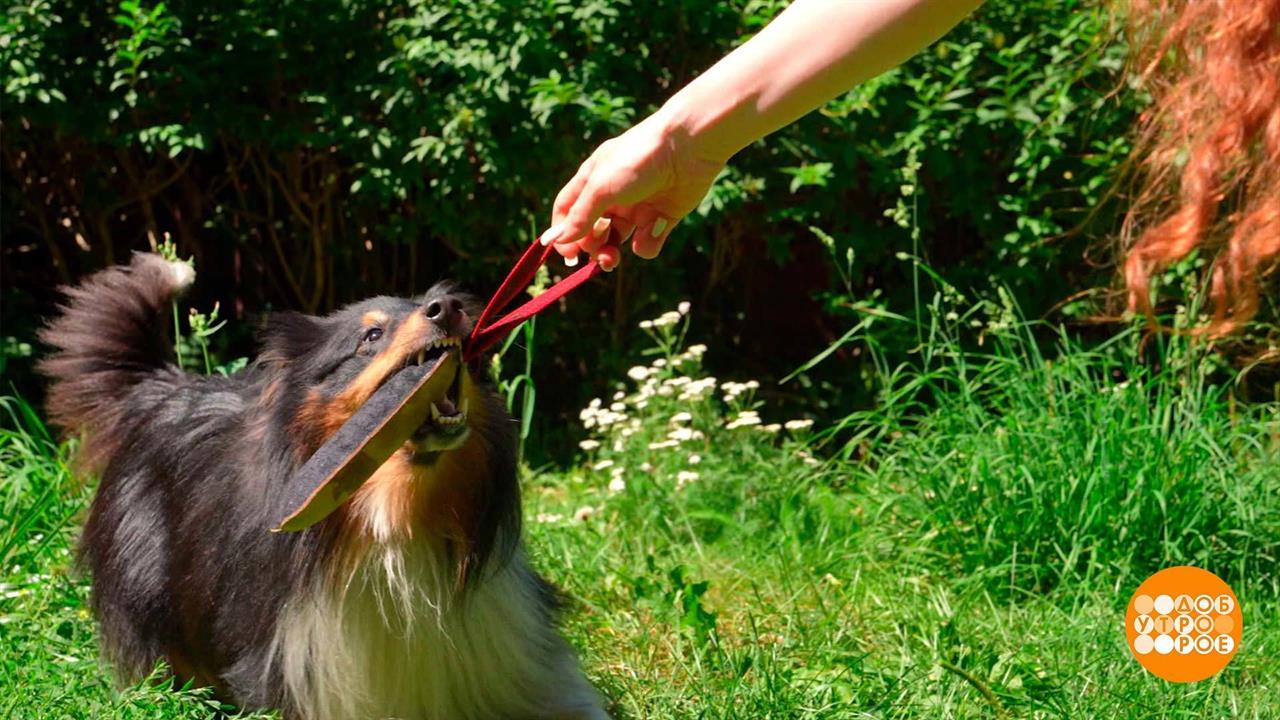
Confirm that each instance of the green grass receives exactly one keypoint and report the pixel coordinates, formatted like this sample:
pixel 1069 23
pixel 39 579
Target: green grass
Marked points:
pixel 965 549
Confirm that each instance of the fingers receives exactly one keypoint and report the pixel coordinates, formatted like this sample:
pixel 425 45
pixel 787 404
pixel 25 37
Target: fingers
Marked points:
pixel 598 236
pixel 586 209
pixel 565 201
pixel 609 256
pixel 649 238
pixel 571 190
pixel 619 227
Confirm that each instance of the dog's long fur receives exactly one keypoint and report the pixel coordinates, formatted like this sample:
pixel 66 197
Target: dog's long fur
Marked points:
pixel 414 600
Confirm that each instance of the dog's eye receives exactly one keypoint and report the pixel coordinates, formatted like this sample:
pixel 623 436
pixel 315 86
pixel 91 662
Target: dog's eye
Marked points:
pixel 372 334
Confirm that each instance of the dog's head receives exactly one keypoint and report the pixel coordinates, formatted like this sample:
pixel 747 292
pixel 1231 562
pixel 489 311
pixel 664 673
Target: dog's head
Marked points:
pixel 455 475
pixel 340 360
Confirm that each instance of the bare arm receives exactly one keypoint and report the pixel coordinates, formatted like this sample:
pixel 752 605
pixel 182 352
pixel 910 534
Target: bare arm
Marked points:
pixel 651 176
pixel 812 52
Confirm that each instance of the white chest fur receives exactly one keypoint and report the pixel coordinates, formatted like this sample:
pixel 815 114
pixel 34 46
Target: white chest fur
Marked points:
pixel 395 642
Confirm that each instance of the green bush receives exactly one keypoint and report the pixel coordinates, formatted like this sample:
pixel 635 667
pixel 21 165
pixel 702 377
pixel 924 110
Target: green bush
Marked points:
pixel 311 153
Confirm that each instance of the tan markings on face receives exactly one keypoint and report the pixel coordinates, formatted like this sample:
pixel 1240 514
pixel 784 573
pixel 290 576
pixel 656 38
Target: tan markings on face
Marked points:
pixel 408 337
pixel 374 317
pixel 318 418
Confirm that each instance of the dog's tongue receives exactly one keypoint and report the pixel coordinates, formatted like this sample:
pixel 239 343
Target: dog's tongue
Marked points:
pixel 365 441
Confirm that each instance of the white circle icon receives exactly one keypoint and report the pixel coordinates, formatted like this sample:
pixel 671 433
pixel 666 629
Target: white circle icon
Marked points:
pixel 1143 644
pixel 1164 643
pixel 1164 604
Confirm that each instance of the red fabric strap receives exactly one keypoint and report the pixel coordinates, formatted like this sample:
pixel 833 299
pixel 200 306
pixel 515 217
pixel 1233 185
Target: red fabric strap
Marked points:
pixel 488 331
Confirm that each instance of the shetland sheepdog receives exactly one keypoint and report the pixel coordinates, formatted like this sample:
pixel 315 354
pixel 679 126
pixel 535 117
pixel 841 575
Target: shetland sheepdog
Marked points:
pixel 413 600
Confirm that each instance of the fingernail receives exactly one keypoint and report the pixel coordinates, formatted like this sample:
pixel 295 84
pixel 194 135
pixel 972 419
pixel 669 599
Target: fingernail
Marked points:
pixel 552 234
pixel 658 226
pixel 571 261
pixel 606 266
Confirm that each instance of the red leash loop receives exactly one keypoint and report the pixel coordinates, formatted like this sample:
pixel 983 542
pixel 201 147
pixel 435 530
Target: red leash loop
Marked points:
pixel 488 331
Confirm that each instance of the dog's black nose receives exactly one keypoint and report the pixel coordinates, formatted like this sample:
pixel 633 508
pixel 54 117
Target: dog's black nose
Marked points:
pixel 446 313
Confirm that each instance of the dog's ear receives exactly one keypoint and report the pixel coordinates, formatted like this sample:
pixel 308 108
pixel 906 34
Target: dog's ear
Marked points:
pixel 288 336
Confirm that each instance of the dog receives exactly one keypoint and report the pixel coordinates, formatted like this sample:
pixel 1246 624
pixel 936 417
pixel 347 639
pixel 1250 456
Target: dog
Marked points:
pixel 413 600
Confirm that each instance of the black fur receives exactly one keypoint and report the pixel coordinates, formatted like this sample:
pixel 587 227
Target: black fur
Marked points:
pixel 183 564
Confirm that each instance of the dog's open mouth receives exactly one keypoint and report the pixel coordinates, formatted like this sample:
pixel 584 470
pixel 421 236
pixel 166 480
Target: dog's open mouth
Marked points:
pixel 446 427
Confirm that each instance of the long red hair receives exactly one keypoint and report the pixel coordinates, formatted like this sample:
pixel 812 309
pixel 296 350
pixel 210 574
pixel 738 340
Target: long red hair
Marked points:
pixel 1208 148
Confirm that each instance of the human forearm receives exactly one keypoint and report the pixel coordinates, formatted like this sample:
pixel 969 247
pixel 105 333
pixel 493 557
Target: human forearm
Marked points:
pixel 813 51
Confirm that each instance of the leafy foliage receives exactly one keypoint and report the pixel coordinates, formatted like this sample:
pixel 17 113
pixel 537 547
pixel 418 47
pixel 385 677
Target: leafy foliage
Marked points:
pixel 311 153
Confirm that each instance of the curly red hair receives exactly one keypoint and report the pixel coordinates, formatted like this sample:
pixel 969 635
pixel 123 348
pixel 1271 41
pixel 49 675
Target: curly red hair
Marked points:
pixel 1208 147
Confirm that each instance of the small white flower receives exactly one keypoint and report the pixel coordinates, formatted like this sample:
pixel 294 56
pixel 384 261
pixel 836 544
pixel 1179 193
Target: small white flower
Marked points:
pixel 666 319
pixel 681 434
pixel 662 445
pixel 681 417
pixel 595 403
pixel 646 467
pixel 602 465
pixel 583 513
pixel 617 485
pixel 771 428
pixel 695 459
pixel 618 407
pixel 639 372
pixel 751 385
pixel 746 418
pixel 684 307
pixel 646 324
pixel 660 363
pixel 617 471
pixel 548 517
pixel 619 395
pixel 804 424
pixel 589 445
pixel 684 477
pixel 696 350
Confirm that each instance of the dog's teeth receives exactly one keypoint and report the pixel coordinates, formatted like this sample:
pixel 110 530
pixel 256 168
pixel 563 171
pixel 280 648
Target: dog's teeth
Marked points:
pixel 435 412
pixel 462 407
pixel 422 356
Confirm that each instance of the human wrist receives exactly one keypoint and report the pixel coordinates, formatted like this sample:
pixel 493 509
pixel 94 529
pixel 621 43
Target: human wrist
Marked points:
pixel 701 124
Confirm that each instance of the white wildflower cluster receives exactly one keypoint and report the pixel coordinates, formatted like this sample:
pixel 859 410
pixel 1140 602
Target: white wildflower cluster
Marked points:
pixel 594 415
pixel 732 390
pixel 666 319
pixel 664 421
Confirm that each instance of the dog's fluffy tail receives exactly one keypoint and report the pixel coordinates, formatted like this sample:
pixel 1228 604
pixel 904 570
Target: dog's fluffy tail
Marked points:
pixel 109 337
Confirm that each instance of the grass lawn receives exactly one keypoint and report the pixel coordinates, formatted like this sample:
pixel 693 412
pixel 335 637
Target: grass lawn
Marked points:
pixel 964 550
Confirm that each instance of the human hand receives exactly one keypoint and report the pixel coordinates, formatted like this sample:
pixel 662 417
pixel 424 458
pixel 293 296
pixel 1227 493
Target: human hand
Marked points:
pixel 645 180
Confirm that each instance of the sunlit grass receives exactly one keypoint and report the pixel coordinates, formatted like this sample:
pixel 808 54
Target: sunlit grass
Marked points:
pixel 963 550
